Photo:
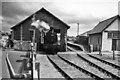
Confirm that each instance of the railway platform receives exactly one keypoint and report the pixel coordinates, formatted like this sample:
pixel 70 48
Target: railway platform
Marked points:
pixel 4 69
pixel 12 63
pixel 47 70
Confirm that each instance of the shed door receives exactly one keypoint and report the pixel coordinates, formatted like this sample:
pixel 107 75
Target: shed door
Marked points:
pixel 114 44
pixel 118 45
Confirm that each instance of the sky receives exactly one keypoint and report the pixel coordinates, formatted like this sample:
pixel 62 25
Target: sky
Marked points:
pixel 88 13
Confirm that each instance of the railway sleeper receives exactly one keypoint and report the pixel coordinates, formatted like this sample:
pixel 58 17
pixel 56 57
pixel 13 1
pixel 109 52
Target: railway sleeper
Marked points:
pixel 104 71
pixel 91 64
pixel 83 70
pixel 106 62
pixel 59 69
pixel 101 69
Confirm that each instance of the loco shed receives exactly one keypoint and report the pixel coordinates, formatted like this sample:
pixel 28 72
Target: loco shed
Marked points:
pixel 23 32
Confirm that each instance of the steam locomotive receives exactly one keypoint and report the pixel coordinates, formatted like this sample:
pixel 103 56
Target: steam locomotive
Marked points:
pixel 50 45
pixel 48 42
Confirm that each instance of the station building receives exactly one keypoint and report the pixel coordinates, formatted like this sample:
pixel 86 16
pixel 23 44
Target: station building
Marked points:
pixel 105 36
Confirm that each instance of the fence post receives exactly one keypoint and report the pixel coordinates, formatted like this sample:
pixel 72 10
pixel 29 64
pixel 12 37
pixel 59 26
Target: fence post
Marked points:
pixel 113 55
pixel 100 50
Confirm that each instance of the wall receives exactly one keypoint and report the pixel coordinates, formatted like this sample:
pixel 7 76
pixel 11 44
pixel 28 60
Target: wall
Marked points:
pixel 82 40
pixel 118 45
pixel 26 26
pixel 16 34
pixel 0 34
pixel 95 40
pixel 55 23
pixel 26 31
pixel 119 24
pixel 107 43
pixel 113 26
pixel 52 21
pixel 63 40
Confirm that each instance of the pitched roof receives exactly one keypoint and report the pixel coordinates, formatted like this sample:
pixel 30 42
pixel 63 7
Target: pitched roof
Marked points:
pixel 44 10
pixel 103 25
pixel 87 32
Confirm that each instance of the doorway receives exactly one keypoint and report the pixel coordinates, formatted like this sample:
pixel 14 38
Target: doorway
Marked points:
pixel 116 44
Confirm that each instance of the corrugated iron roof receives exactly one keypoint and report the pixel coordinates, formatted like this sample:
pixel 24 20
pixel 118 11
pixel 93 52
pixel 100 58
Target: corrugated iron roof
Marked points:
pixel 103 25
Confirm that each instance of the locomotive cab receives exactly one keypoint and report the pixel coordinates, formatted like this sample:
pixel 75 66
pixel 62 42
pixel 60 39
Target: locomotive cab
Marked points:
pixel 50 45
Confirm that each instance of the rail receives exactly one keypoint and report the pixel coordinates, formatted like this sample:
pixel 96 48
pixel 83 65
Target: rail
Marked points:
pixel 59 69
pixel 81 69
pixel 94 65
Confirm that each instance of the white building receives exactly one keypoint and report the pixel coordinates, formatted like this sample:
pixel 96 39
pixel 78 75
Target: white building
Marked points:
pixel 106 35
pixel 0 34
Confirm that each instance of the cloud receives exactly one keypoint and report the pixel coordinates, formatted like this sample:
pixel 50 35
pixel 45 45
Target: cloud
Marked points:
pixel 119 14
pixel 12 9
pixel 81 20
pixel 0 16
pixel 5 26
pixel 82 28
pixel 0 23
pixel 86 12
pixel 14 12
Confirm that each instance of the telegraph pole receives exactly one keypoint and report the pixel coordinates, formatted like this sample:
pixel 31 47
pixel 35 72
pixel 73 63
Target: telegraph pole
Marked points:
pixel 34 72
pixel 78 29
pixel 21 37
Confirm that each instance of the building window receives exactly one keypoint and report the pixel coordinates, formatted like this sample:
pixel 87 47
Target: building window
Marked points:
pixel 119 35
pixel 114 34
pixel 110 35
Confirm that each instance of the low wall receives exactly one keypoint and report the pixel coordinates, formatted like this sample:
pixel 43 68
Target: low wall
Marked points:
pixel 24 45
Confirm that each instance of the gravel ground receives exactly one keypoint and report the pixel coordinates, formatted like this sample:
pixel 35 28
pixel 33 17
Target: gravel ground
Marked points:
pixel 73 58
pixel 14 56
pixel 109 58
pixel 70 70
pixel 0 62
pixel 47 70
pixel 4 71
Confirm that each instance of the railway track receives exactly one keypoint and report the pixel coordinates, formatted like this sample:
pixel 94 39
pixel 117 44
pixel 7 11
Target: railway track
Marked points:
pixel 117 66
pixel 81 63
pixel 105 67
pixel 70 70
pixel 67 77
